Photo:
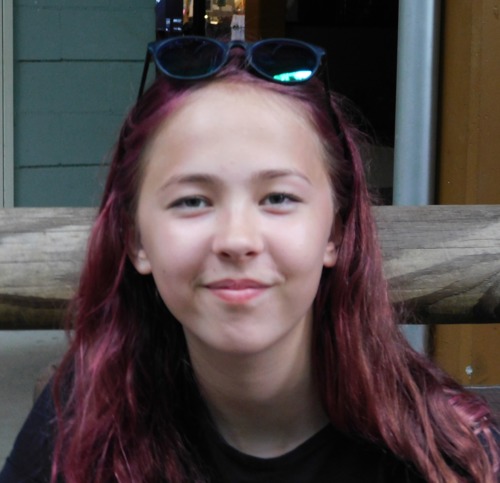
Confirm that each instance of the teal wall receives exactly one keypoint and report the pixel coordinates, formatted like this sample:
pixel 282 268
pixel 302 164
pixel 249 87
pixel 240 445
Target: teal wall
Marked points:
pixel 77 69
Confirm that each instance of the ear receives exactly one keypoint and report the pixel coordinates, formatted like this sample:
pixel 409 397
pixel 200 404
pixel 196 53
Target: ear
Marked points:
pixel 330 256
pixel 332 247
pixel 137 254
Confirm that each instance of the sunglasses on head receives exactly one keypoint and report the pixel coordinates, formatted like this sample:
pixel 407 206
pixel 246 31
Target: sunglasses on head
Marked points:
pixel 281 60
pixel 191 58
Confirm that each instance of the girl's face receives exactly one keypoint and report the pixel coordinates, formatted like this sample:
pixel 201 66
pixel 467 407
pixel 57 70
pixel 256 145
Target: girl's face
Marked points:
pixel 235 220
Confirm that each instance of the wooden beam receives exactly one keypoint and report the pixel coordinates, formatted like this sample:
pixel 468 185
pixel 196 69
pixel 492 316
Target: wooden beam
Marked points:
pixel 443 262
pixel 41 252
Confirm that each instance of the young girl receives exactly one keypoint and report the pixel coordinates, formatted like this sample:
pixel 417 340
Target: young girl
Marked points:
pixel 232 323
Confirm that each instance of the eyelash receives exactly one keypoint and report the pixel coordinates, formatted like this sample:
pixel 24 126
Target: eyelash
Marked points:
pixel 279 198
pixel 285 198
pixel 185 203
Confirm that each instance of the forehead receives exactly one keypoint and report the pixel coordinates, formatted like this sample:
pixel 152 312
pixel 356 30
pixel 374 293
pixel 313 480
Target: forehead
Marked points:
pixel 233 133
pixel 247 99
pixel 223 110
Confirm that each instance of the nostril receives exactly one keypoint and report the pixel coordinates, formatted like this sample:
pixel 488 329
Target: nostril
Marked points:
pixel 237 243
pixel 237 250
pixel 238 253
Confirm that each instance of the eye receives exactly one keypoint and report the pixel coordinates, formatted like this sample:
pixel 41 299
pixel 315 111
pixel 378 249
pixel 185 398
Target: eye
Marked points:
pixel 280 199
pixel 190 203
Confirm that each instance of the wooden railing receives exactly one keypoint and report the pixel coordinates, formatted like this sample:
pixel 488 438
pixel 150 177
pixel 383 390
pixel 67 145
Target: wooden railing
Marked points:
pixel 442 263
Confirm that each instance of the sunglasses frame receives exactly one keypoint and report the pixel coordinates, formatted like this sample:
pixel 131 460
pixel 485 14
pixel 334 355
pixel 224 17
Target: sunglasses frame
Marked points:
pixel 249 47
pixel 320 68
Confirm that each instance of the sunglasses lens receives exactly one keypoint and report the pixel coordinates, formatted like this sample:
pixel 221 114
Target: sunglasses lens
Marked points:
pixel 189 58
pixel 284 61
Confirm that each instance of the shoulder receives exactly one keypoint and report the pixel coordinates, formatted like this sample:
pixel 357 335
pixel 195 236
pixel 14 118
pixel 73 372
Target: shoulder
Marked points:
pixel 376 463
pixel 495 446
pixel 31 457
pixel 496 435
pixel 327 456
pixel 490 440
pixel 353 459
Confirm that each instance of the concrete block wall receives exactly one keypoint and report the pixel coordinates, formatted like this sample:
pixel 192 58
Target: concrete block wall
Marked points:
pixel 77 69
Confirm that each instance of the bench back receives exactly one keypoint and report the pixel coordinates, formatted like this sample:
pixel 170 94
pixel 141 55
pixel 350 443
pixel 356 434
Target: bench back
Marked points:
pixel 442 263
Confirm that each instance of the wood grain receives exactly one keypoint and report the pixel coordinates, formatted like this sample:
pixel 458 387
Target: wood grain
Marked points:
pixel 41 252
pixel 441 262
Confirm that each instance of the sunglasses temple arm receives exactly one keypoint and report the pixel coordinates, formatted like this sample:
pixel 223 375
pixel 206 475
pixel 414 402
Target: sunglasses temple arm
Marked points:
pixel 144 74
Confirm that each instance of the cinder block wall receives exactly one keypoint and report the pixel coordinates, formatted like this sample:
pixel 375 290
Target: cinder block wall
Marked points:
pixel 77 70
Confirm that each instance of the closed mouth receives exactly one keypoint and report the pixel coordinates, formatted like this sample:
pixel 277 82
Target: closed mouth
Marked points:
pixel 237 291
pixel 236 284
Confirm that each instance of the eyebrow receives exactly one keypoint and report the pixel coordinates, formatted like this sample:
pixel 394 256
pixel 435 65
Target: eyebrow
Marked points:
pixel 209 179
pixel 195 178
pixel 280 173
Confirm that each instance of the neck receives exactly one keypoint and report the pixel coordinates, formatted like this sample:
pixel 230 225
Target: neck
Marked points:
pixel 264 405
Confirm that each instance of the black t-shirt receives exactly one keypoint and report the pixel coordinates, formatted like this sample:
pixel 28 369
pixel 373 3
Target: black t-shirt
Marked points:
pixel 328 456
pixel 31 458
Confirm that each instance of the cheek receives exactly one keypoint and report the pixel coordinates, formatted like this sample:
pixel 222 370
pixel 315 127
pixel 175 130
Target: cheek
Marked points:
pixel 175 261
pixel 300 251
pixel 172 254
pixel 174 277
pixel 309 239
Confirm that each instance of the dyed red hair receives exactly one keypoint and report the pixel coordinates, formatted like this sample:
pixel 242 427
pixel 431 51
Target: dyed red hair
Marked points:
pixel 126 400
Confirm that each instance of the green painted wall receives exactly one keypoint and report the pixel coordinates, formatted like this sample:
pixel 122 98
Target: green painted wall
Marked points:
pixel 77 69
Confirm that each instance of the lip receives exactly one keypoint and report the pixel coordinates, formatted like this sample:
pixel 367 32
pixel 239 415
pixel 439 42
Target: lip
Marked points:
pixel 237 291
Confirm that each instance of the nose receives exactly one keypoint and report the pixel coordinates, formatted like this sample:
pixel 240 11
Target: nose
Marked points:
pixel 238 235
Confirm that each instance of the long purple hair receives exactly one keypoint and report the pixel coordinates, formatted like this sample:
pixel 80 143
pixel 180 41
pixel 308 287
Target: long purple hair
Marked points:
pixel 126 400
